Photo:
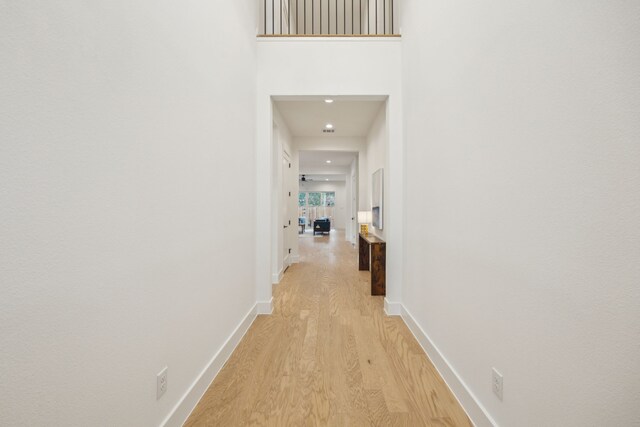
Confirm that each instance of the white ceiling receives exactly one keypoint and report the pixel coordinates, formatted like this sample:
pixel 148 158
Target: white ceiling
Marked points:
pixel 318 159
pixel 314 164
pixel 349 117
pixel 325 177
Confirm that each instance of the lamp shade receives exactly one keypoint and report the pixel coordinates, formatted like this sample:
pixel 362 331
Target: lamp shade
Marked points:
pixel 364 217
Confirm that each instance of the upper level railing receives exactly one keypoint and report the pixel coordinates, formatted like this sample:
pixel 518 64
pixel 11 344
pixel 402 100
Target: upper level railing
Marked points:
pixel 359 18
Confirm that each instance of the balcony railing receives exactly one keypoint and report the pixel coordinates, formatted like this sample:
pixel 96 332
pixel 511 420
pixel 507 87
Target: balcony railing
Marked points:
pixel 360 18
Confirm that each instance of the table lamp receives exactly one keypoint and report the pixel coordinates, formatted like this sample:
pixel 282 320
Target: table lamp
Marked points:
pixel 364 219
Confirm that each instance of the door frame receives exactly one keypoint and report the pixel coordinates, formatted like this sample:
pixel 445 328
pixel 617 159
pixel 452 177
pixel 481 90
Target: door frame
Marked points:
pixel 394 227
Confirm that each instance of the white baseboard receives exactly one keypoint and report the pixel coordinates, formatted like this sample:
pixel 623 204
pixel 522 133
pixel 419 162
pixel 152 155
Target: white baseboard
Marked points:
pixel 392 308
pixel 265 307
pixel 295 259
pixel 179 414
pixel 277 277
pixel 474 409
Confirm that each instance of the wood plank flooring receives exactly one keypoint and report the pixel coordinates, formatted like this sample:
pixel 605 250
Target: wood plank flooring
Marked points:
pixel 328 356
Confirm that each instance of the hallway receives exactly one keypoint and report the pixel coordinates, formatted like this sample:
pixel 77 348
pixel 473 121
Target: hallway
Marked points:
pixel 328 356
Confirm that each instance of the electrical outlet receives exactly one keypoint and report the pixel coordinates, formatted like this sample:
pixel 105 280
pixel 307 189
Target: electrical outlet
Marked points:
pixel 496 383
pixel 161 383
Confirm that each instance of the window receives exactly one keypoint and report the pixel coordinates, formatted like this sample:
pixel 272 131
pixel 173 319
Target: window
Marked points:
pixel 326 199
pixel 329 199
pixel 315 199
pixel 316 204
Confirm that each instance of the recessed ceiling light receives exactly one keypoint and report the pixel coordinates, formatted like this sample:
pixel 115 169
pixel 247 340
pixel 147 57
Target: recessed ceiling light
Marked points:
pixel 328 101
pixel 326 179
pixel 329 126
pixel 328 161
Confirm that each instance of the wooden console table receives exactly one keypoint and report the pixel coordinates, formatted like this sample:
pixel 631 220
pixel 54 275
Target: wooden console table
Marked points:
pixel 374 262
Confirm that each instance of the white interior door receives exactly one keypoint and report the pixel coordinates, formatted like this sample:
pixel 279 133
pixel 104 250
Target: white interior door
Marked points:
pixel 354 209
pixel 287 223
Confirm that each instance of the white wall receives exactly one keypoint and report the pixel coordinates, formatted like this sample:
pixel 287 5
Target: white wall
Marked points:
pixel 119 124
pixel 522 183
pixel 375 157
pixel 357 67
pixel 340 211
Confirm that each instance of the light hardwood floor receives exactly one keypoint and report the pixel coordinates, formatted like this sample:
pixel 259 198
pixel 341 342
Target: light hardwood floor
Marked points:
pixel 328 356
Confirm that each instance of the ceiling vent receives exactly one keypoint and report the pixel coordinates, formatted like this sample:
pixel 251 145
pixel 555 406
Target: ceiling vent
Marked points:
pixel 328 130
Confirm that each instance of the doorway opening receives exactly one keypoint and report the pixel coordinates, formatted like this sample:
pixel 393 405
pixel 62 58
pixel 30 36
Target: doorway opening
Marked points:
pixel 324 191
pixel 324 154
